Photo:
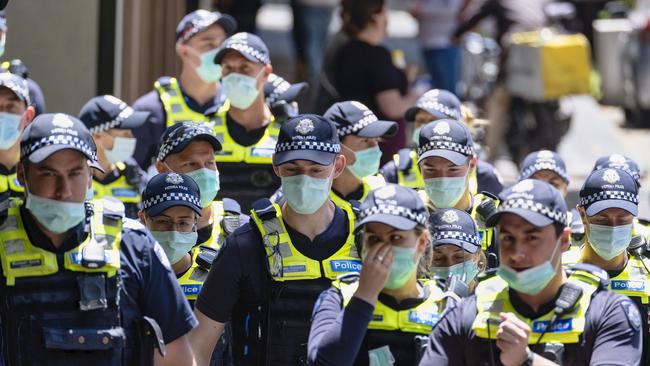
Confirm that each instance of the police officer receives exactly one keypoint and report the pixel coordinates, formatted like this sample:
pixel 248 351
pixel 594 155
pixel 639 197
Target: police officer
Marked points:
pixel 456 247
pixel 608 205
pixel 16 66
pixel 624 163
pixel 379 315
pixel 548 166
pixel 434 105
pixel 447 162
pixel 15 114
pixel 534 312
pixel 245 123
pixel 196 90
pixel 111 122
pixel 84 283
pixel 270 272
pixel 189 148
pixel 360 132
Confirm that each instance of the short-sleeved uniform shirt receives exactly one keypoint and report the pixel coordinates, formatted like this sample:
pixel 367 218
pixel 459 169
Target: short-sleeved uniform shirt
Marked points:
pixel 149 133
pixel 239 275
pixel 149 287
pixel 486 176
pixel 611 336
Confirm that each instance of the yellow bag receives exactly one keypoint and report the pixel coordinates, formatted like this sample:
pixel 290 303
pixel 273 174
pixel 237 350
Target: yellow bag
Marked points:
pixel 543 65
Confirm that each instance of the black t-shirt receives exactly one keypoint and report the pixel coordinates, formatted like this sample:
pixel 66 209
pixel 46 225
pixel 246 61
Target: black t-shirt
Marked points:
pixel 610 336
pixel 361 71
pixel 238 276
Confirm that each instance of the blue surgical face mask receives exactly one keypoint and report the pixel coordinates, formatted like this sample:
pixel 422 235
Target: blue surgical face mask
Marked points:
pixel 445 192
pixel 366 162
pixel 9 129
pixel 532 280
pixel 305 194
pixel 467 270
pixel 57 216
pixel 207 70
pixel 416 136
pixel 609 241
pixel 208 182
pixel 174 243
pixel 123 148
pixel 403 267
pixel 241 89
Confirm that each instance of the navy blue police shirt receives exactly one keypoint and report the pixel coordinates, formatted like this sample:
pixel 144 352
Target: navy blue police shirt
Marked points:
pixel 486 176
pixel 149 133
pixel 338 331
pixel 612 334
pixel 149 287
pixel 239 275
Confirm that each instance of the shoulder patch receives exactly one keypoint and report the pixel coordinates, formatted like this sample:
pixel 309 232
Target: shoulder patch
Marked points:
pixel 632 314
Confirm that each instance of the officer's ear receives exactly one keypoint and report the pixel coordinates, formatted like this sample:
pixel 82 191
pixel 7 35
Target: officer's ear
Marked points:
pixel 423 241
pixel 27 117
pixel 161 167
pixel 350 157
pixel 473 162
pixel 141 217
pixel 20 173
pixel 339 165
pixel 565 239
pixel 583 215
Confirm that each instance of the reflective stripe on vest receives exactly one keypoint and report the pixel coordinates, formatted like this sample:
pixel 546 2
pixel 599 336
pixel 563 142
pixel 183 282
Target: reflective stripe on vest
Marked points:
pixel 369 183
pixel 174 104
pixel 20 258
pixel 413 177
pixel 119 189
pixel 633 281
pixel 492 298
pixel 419 319
pixel 10 183
pixel 232 152
pixel 192 280
pixel 286 263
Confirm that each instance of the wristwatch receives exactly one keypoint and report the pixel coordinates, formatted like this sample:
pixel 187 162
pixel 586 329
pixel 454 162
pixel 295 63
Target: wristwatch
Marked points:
pixel 530 357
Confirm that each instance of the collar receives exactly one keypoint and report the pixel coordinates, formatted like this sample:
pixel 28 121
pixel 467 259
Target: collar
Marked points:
pixel 525 309
pixel 406 303
pixel 354 195
pixel 73 237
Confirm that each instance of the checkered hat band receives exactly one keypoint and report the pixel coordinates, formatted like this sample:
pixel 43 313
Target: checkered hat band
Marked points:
pixel 536 207
pixel 171 196
pixel 124 114
pixel 361 124
pixel 172 141
pixel 457 235
pixel 72 141
pixel 278 90
pixel 446 145
pixel 437 106
pixel 609 195
pixel 308 145
pixel 544 165
pixel 420 218
pixel 245 48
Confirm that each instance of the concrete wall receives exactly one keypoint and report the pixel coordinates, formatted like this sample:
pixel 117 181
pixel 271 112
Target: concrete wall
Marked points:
pixel 57 40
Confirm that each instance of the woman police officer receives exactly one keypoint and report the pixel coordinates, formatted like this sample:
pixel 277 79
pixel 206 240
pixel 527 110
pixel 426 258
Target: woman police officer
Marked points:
pixel 378 316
